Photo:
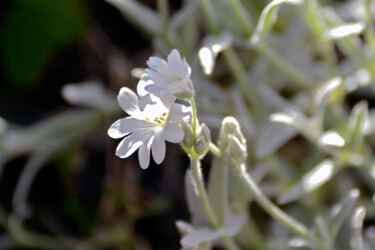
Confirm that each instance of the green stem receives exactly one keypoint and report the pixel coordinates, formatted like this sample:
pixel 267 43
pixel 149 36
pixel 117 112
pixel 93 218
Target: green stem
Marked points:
pixel 198 179
pixel 245 21
pixel 275 211
pixel 206 7
pixel 163 9
pixel 215 149
pixel 195 118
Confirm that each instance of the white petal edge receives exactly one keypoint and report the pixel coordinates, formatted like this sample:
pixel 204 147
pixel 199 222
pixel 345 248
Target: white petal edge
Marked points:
pixel 158 148
pixel 128 101
pixel 173 133
pixel 114 130
pixel 144 154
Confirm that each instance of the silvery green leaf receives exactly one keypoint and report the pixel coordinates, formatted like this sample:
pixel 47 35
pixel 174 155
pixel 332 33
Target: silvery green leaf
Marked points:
pixel 331 138
pixel 268 17
pixel 341 211
pixel 350 45
pixel 356 240
pixel 313 179
pixel 90 94
pixel 142 16
pixel 359 123
pixel 297 242
pixel 321 99
pixel 218 188
pixel 233 223
pixel 346 30
pixel 212 46
pixel 23 140
pixel 321 228
pixel 193 201
pixel 198 235
pixel 272 136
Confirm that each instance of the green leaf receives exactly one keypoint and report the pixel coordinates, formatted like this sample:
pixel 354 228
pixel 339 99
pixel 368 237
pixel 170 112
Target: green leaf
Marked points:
pixel 313 179
pixel 32 31
pixel 142 16
pixel 198 217
pixel 341 211
pixel 217 188
pixel 268 17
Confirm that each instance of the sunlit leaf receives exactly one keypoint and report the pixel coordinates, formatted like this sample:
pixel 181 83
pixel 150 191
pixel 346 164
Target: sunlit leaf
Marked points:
pixel 356 240
pixel 341 211
pixel 313 179
pixel 212 46
pixel 90 94
pixel 345 30
pixel 268 17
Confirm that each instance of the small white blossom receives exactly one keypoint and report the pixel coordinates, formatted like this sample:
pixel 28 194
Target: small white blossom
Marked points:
pixel 169 78
pixel 152 121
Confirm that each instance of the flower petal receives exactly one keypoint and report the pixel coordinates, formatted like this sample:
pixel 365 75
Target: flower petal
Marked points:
pixel 144 154
pixel 158 148
pixel 131 143
pixel 179 113
pixel 133 125
pixel 114 130
pixel 128 101
pixel 173 133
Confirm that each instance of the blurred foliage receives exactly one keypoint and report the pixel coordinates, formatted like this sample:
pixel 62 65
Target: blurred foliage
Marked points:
pixel 32 32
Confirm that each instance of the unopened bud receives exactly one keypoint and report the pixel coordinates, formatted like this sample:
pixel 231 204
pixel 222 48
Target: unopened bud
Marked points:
pixel 188 135
pixel 202 144
pixel 232 143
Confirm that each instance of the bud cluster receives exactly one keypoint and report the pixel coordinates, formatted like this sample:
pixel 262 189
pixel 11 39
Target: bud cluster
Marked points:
pixel 232 143
pixel 200 144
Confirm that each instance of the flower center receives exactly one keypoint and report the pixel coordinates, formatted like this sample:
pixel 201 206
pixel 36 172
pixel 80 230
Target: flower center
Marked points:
pixel 159 120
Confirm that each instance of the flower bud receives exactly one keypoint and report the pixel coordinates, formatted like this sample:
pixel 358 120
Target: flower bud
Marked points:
pixel 202 144
pixel 188 140
pixel 232 143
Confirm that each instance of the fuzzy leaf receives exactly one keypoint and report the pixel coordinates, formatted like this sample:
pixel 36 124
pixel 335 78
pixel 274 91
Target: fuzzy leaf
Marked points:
pixel 217 188
pixel 272 137
pixel 268 17
pixel 313 179
pixel 341 211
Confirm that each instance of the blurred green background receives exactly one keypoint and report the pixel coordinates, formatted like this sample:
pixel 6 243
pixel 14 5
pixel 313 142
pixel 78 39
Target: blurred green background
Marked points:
pixel 79 194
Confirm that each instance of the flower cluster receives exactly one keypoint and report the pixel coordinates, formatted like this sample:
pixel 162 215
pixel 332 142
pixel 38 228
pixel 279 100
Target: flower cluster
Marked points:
pixel 154 116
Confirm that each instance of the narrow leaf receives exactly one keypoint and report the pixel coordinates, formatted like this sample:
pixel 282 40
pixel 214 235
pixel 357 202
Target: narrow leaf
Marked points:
pixel 268 17
pixel 313 179
pixel 218 188
pixel 142 16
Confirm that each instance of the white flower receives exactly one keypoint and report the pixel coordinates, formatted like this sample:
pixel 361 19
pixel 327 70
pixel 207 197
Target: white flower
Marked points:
pixel 152 121
pixel 171 77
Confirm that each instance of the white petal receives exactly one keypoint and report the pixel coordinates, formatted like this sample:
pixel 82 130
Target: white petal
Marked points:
pixel 131 143
pixel 114 130
pixel 176 64
pixel 144 154
pixel 173 133
pixel 158 148
pixel 142 85
pixel 130 125
pixel 128 101
pixel 179 113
